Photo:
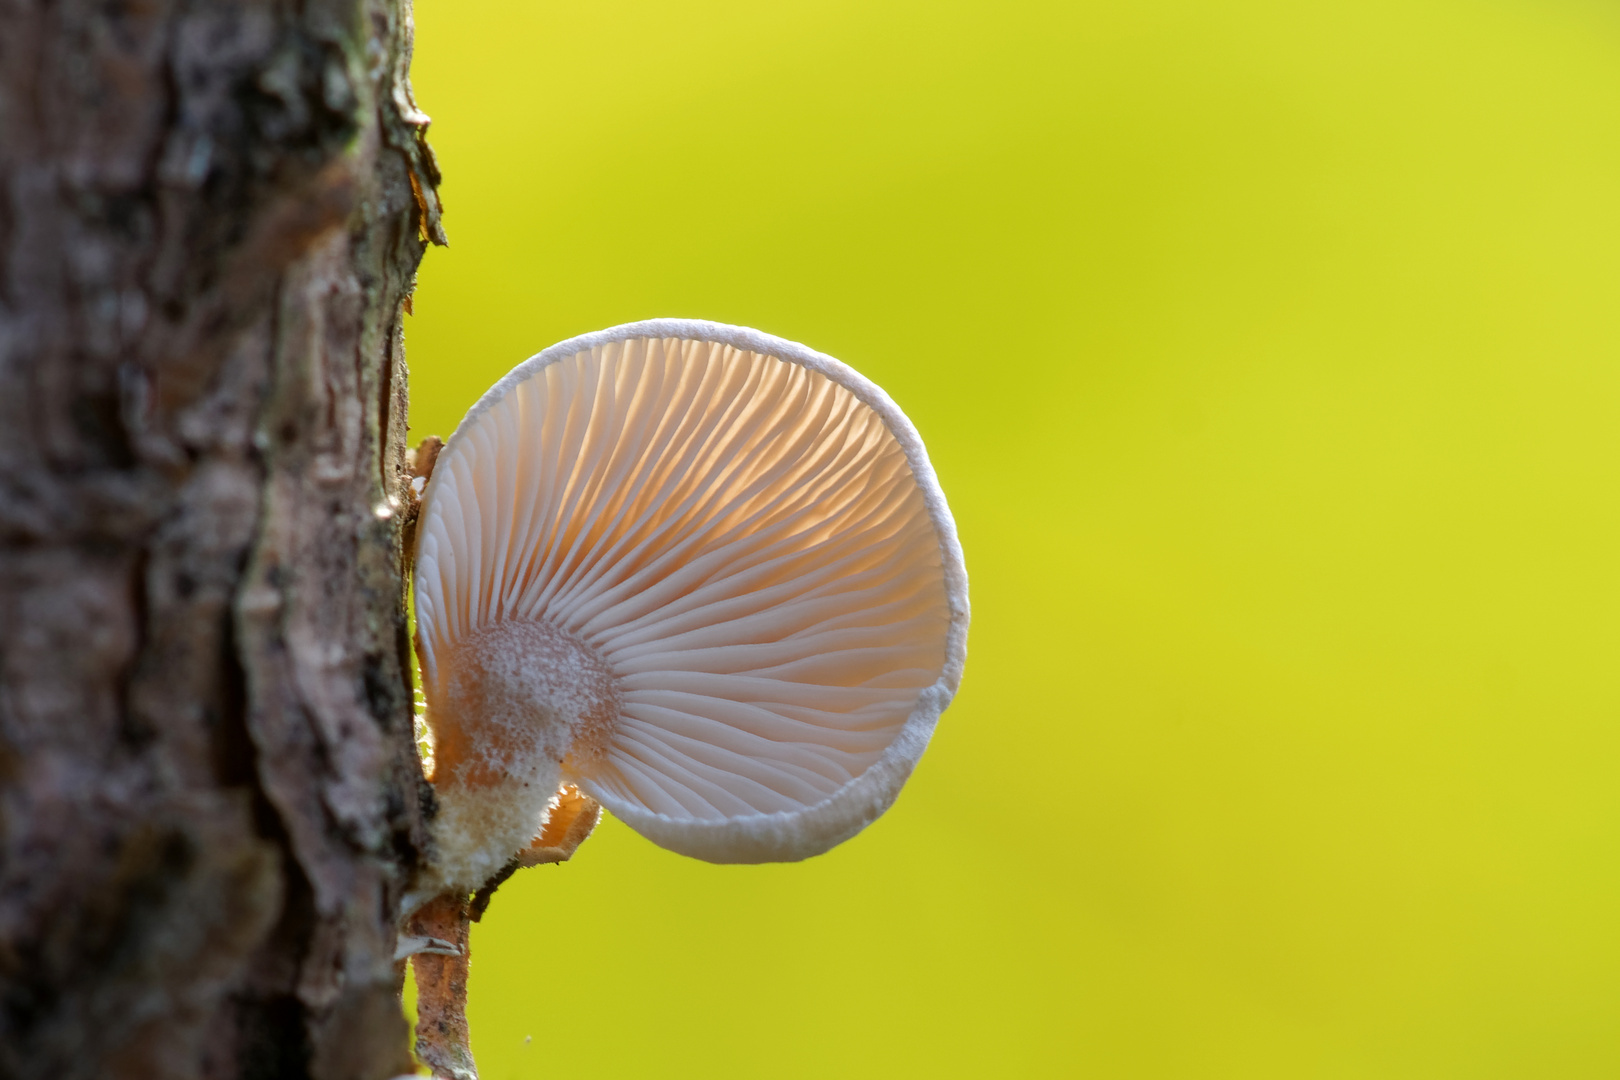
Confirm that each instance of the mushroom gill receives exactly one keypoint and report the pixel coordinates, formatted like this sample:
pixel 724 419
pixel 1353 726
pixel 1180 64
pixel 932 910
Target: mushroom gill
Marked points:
pixel 704 575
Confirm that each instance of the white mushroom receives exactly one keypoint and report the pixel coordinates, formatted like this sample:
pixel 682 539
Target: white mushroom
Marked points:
pixel 701 574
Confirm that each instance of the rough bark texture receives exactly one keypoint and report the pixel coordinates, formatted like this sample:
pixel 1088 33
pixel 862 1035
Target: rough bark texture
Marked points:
pixel 210 215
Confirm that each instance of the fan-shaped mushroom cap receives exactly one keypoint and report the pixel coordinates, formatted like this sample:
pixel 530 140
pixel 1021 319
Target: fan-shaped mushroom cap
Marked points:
pixel 703 573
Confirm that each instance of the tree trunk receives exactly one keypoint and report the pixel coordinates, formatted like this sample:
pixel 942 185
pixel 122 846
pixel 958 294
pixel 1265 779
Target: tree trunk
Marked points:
pixel 210 216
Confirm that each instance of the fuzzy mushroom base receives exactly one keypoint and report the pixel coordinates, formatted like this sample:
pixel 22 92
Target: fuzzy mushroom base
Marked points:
pixel 702 574
pixel 528 699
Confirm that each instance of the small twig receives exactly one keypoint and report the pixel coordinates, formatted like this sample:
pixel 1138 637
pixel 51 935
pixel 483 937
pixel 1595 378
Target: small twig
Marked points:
pixel 442 1041
pixel 481 898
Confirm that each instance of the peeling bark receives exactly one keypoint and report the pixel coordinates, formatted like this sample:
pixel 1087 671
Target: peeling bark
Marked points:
pixel 210 217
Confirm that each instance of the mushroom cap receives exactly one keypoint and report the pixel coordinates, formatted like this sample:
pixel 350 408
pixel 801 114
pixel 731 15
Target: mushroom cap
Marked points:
pixel 735 545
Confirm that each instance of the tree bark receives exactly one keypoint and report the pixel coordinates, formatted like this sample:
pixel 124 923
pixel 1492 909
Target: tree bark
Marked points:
pixel 211 212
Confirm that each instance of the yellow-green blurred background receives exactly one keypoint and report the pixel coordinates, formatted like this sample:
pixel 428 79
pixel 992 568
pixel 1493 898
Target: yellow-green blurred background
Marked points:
pixel 1269 354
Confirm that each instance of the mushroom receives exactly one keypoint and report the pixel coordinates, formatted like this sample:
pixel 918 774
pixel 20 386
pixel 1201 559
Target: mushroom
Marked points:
pixel 696 574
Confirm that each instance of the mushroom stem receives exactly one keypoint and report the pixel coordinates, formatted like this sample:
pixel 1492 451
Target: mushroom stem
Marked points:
pixel 442 1042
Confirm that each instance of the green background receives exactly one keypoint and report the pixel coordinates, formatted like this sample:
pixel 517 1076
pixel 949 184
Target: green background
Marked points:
pixel 1269 354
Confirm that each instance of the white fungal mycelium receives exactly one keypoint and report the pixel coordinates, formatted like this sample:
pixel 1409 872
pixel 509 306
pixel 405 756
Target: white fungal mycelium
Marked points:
pixel 704 574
